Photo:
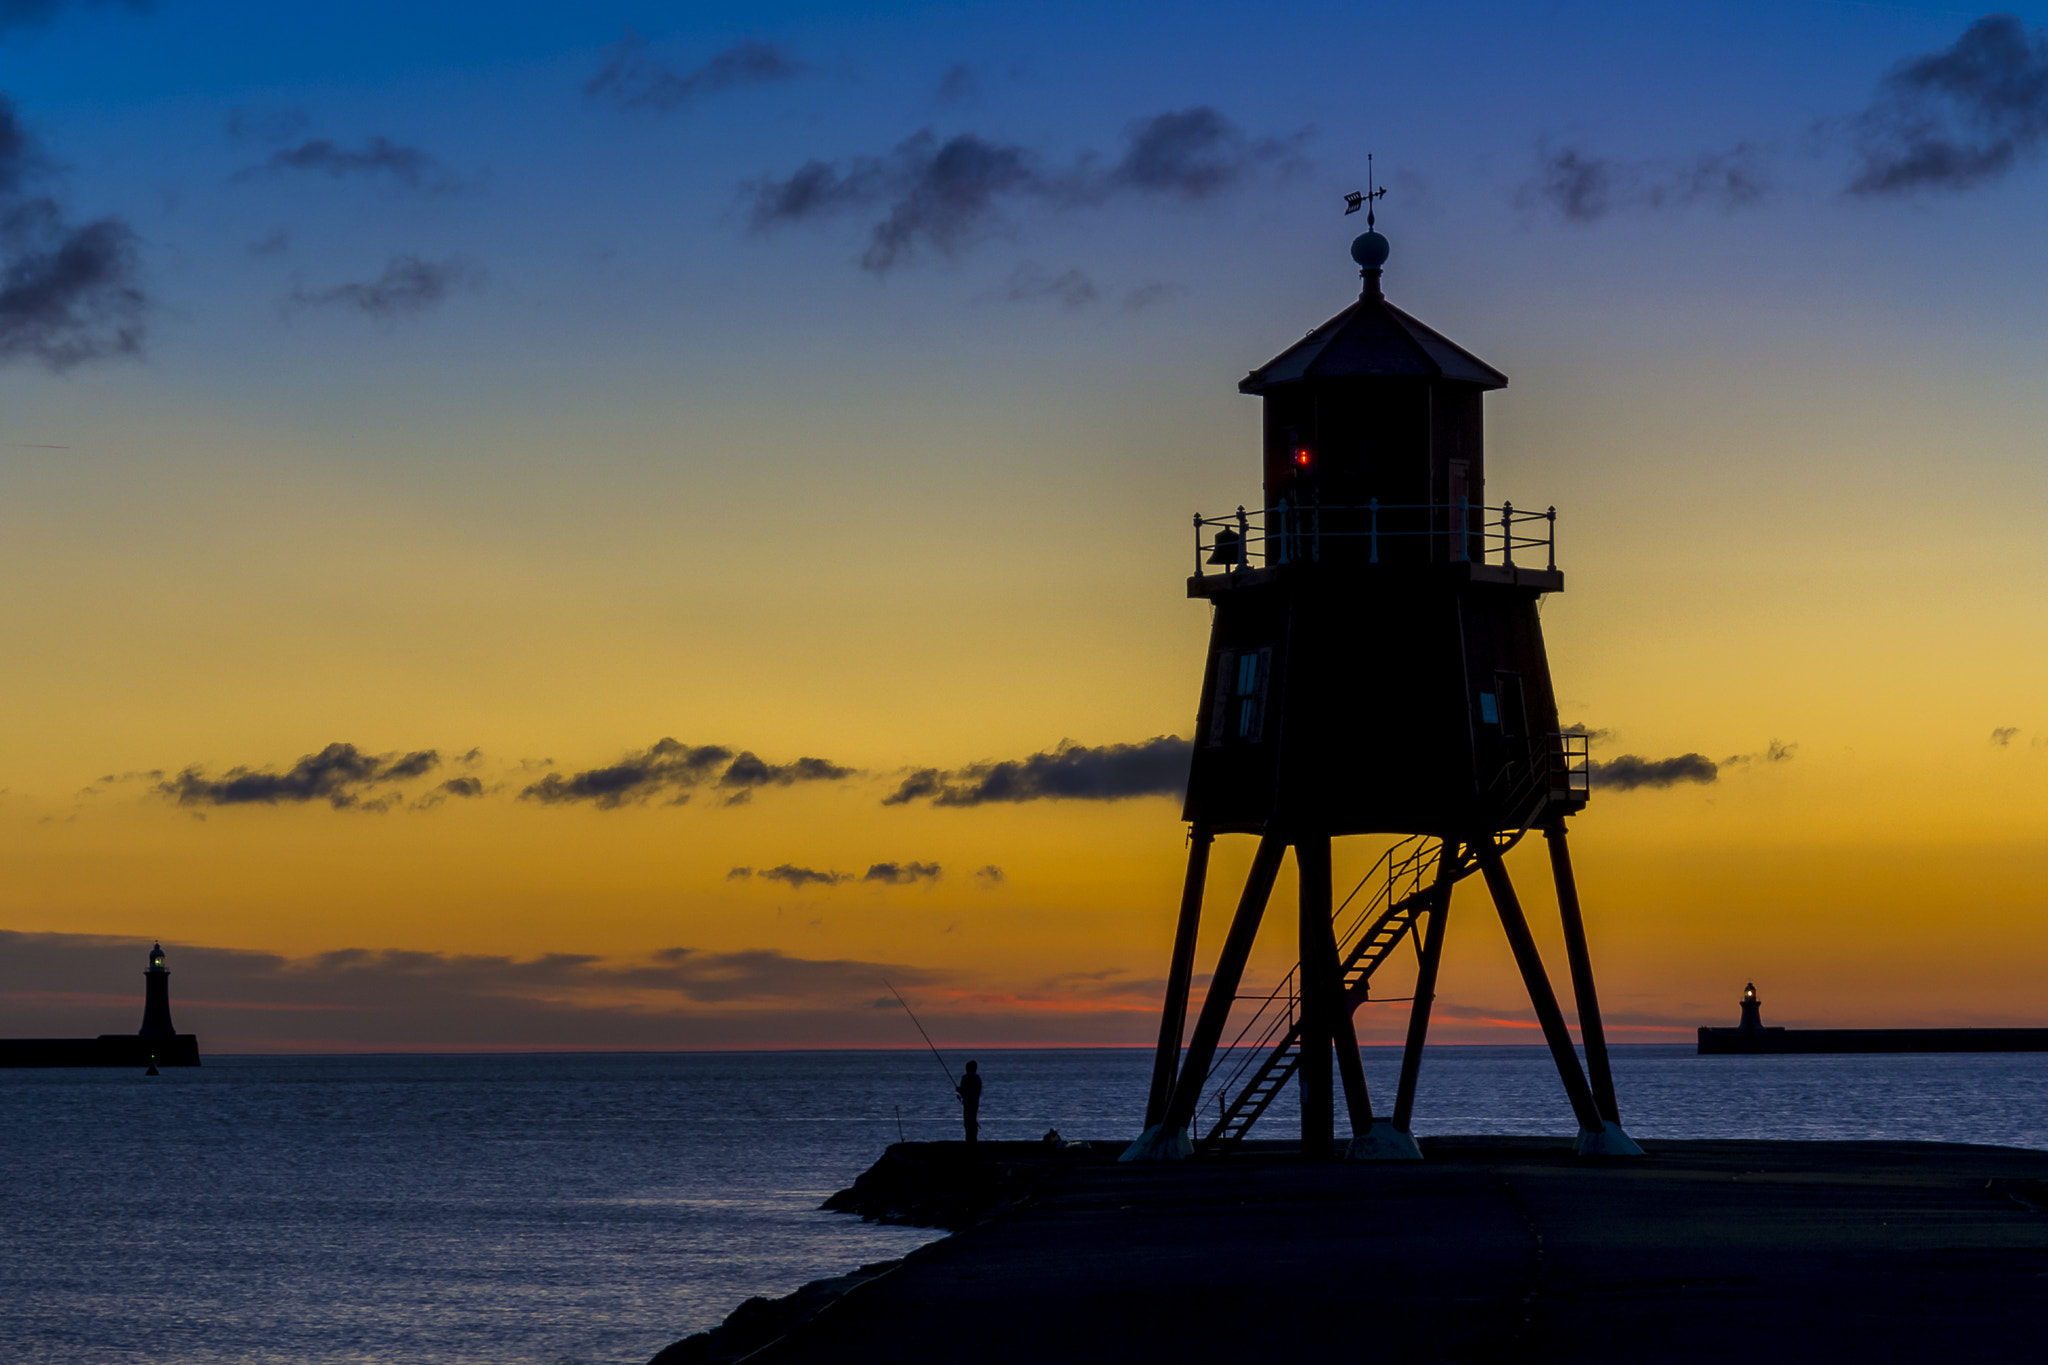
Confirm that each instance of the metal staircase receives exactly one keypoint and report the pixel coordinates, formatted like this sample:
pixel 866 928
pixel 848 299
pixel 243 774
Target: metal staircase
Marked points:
pixel 1267 1049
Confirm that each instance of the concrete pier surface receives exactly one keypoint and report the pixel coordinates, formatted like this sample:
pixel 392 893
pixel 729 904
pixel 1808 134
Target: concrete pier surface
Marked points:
pixel 1492 1249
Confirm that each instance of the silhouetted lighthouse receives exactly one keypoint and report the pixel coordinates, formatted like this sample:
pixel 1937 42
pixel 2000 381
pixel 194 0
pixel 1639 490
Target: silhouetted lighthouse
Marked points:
pixel 156 999
pixel 1376 666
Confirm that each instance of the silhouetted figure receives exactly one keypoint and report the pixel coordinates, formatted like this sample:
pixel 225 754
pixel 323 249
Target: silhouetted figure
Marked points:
pixel 970 1101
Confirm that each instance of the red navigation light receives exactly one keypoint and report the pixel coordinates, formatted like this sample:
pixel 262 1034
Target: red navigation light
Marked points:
pixel 1301 457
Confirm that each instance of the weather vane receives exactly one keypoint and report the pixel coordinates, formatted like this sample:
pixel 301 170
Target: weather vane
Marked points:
pixel 1355 201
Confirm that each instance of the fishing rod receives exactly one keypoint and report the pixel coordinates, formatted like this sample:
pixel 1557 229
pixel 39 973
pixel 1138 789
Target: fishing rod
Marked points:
pixel 926 1036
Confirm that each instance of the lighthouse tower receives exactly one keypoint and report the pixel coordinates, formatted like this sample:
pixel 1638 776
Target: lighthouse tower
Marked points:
pixel 156 999
pixel 1375 667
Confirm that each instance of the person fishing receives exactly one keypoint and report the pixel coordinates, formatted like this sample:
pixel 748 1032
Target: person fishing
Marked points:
pixel 968 1087
pixel 970 1101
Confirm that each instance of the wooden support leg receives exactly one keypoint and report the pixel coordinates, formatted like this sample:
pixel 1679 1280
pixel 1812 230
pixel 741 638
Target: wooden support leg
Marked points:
pixel 1194 1071
pixel 1425 983
pixel 1540 994
pixel 1602 1075
pixel 1174 1016
pixel 1319 980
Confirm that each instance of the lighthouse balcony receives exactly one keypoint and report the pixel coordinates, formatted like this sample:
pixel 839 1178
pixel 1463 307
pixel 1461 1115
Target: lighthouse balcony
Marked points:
pixel 1505 543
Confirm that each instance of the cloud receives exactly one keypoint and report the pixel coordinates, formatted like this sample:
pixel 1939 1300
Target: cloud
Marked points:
pixel 1593 736
pixel 739 874
pixel 635 81
pixel 747 772
pixel 1151 295
pixel 20 157
pixel 1581 187
pixel 1629 772
pixel 1777 751
pixel 27 14
pixel 943 196
pixel 378 156
pixel 959 83
pixel 68 293
pixel 408 285
pixel 360 999
pixel 676 769
pixel 2003 735
pixel 902 874
pixel 799 877
pixel 1070 772
pixel 990 875
pixel 665 767
pixel 275 243
pixel 339 774
pixel 1959 118
pixel 1071 290
pixel 455 788
pixel 949 199
pixel 278 125
pixel 1191 154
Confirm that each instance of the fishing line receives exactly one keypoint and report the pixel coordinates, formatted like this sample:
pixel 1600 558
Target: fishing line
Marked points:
pixel 926 1036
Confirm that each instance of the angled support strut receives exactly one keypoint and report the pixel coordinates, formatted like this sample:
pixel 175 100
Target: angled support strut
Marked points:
pixel 1173 1016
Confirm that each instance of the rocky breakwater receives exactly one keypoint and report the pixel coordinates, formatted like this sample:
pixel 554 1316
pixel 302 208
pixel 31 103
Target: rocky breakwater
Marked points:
pixel 917 1184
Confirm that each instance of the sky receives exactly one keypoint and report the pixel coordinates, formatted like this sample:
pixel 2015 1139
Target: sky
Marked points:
pixel 624 525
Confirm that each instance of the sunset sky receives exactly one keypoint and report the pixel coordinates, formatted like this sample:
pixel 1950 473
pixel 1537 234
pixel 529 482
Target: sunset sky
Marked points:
pixel 538 526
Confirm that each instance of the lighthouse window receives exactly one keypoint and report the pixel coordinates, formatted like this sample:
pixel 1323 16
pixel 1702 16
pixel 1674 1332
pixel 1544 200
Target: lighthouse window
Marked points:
pixel 1240 705
pixel 1489 708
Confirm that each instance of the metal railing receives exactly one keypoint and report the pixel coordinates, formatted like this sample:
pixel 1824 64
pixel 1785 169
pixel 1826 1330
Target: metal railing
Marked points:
pixel 1311 532
pixel 1398 873
pixel 1572 763
pixel 1244 1077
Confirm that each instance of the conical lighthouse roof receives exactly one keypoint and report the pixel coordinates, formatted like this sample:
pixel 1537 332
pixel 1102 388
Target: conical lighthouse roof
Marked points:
pixel 1373 339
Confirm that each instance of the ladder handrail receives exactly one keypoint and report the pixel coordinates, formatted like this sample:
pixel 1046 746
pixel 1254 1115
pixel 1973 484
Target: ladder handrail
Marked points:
pixel 1279 1061
pixel 1287 988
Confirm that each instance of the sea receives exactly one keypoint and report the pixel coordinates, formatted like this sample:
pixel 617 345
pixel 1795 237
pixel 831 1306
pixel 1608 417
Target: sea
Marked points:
pixel 589 1209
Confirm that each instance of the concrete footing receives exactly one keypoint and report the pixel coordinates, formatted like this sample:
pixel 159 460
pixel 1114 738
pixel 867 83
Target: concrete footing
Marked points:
pixel 1158 1144
pixel 1383 1142
pixel 1605 1141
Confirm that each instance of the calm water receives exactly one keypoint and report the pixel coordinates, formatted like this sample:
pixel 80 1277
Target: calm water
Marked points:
pixel 537 1210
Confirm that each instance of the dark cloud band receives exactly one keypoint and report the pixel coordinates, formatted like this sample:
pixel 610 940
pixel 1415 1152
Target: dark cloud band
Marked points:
pixel 1630 771
pixel 340 774
pixel 80 984
pixel 1070 772
pixel 674 770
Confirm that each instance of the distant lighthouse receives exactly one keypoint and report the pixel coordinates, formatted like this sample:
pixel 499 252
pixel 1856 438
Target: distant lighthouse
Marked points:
pixel 153 1045
pixel 1752 1010
pixel 156 1000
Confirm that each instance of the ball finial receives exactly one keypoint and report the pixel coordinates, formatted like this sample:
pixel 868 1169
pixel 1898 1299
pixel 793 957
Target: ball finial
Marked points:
pixel 1369 249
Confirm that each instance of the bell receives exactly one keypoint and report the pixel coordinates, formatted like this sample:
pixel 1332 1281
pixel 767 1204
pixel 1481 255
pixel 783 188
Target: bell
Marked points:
pixel 1228 550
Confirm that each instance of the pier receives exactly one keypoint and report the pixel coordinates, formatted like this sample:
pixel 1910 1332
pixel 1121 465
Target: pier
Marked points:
pixel 1751 1037
pixel 1490 1249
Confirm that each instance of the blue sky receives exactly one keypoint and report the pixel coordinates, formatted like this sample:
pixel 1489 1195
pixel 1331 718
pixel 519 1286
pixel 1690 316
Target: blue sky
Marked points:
pixel 475 404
